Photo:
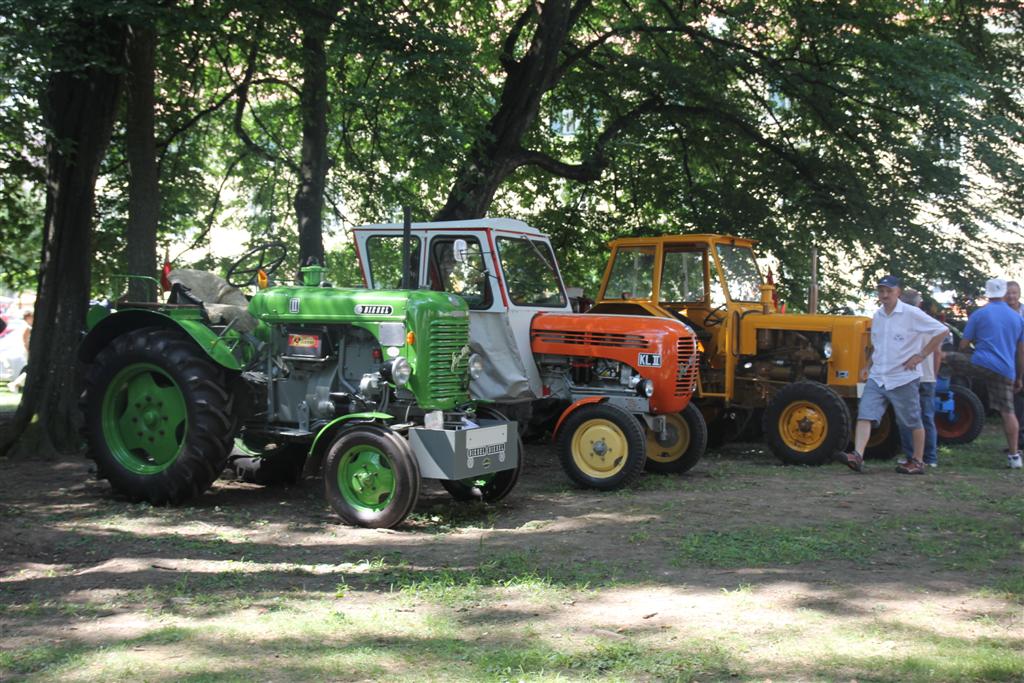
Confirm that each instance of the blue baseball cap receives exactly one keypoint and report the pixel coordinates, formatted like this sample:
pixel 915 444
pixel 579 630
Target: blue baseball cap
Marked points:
pixel 890 281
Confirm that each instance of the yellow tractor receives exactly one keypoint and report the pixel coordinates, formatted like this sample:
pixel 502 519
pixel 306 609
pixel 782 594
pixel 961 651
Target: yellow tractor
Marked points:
pixel 796 377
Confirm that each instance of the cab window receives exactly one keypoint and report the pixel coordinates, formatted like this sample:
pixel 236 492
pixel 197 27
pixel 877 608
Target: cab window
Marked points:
pixel 384 255
pixel 530 272
pixel 682 276
pixel 467 278
pixel 632 274
pixel 741 274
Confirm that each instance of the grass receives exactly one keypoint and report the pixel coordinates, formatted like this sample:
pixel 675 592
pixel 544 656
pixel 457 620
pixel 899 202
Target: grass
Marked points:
pixel 667 596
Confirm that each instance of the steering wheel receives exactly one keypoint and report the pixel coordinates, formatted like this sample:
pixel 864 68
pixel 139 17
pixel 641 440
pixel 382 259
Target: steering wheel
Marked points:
pixel 712 318
pixel 267 257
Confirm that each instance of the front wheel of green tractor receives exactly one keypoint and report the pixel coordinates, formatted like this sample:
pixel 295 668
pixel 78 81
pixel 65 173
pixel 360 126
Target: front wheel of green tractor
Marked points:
pixel 682 445
pixel 806 423
pixel 371 477
pixel 489 487
pixel 601 446
pixel 158 418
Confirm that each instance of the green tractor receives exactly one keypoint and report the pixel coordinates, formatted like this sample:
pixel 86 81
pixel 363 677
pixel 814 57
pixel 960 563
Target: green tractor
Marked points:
pixel 369 387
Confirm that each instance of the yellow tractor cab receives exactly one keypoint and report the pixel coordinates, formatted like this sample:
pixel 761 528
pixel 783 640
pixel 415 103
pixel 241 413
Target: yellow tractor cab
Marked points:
pixel 796 376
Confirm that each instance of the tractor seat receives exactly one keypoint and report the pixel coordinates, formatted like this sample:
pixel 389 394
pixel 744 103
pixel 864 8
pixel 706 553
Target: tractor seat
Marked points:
pixel 223 303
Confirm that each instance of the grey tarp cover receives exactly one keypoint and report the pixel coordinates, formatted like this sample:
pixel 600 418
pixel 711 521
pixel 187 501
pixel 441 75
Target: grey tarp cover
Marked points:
pixel 504 378
pixel 221 301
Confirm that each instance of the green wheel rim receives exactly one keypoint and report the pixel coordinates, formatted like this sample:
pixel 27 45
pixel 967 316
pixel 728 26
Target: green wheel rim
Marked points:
pixel 366 478
pixel 144 419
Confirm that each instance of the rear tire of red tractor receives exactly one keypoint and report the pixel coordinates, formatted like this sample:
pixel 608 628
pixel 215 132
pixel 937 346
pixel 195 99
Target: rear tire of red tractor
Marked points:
pixel 806 423
pixel 970 418
pixel 687 440
pixel 601 446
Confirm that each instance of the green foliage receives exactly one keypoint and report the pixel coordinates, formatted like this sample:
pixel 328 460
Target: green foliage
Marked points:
pixel 882 134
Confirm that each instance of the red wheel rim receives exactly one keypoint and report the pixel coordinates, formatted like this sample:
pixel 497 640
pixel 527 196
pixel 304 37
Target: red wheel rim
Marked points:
pixel 947 429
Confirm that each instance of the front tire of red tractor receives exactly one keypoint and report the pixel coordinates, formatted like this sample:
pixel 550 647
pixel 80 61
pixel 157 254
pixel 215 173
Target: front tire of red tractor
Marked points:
pixel 158 419
pixel 371 477
pixel 970 418
pixel 489 488
pixel 686 441
pixel 601 446
pixel 806 423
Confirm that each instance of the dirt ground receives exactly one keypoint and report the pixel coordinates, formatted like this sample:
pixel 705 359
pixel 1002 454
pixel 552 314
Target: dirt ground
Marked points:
pixel 739 570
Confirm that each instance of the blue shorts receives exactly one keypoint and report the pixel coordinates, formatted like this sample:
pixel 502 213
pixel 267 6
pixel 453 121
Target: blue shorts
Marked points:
pixel 905 401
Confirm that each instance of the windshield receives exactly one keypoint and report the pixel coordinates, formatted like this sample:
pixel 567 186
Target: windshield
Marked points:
pixel 632 274
pixel 741 274
pixel 530 272
pixel 682 276
pixel 384 254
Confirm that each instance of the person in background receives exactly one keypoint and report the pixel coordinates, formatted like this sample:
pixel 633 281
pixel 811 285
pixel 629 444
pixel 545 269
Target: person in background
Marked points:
pixel 893 373
pixel 18 383
pixel 929 368
pixel 997 332
pixel 1013 301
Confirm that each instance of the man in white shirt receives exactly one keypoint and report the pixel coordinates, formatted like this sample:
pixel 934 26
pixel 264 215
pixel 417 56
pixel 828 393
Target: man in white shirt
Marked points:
pixel 893 374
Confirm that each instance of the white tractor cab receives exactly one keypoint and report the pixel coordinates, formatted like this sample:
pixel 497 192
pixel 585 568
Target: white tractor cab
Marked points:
pixel 617 388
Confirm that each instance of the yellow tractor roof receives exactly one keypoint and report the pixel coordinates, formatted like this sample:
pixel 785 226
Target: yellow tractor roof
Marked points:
pixel 681 239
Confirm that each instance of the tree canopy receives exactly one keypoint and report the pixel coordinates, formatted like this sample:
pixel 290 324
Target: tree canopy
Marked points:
pixel 886 134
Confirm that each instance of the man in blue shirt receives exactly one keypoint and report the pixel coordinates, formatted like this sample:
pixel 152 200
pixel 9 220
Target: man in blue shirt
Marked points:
pixel 997 332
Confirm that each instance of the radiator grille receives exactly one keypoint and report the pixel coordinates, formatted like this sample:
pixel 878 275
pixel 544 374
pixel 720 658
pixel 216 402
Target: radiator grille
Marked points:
pixel 448 336
pixel 608 339
pixel 686 377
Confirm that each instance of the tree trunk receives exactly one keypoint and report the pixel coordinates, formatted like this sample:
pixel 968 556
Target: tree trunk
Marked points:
pixel 309 198
pixel 498 152
pixel 140 149
pixel 79 108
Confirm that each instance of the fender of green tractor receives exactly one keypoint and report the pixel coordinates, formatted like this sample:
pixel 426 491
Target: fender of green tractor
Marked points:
pixel 326 434
pixel 118 323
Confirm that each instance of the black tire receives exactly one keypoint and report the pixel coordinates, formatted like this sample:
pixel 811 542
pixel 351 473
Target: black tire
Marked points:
pixel 884 443
pixel 490 488
pixel 970 414
pixel 376 451
pixel 673 457
pixel 269 464
pixel 171 459
pixel 806 423
pixel 593 469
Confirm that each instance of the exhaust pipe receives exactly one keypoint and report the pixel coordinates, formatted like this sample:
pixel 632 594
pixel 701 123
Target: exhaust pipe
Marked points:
pixel 407 282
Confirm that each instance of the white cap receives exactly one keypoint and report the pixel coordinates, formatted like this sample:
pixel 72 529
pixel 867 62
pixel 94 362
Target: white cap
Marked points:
pixel 995 288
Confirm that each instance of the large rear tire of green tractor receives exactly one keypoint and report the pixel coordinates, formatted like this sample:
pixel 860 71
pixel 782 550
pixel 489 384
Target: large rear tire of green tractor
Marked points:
pixel 158 418
pixel 601 446
pixel 492 487
pixel 806 423
pixel 371 477
pixel 970 418
pixel 683 445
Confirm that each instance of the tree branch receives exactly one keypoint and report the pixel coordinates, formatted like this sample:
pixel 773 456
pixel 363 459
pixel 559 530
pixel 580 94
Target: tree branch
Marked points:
pixel 508 49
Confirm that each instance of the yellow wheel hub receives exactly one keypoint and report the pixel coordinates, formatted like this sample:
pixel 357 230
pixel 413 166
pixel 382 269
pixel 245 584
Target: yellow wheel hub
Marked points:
pixel 675 443
pixel 803 426
pixel 599 448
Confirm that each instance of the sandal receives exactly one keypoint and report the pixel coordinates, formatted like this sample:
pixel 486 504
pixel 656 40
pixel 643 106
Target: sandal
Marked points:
pixel 853 460
pixel 911 467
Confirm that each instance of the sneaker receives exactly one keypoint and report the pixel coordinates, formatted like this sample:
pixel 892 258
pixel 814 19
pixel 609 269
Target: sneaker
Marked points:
pixel 912 467
pixel 853 460
pixel 1013 461
pixel 932 464
pixel 903 460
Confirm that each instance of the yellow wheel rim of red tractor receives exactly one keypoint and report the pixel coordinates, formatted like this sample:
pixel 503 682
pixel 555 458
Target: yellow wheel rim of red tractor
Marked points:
pixel 599 448
pixel 803 426
pixel 673 447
